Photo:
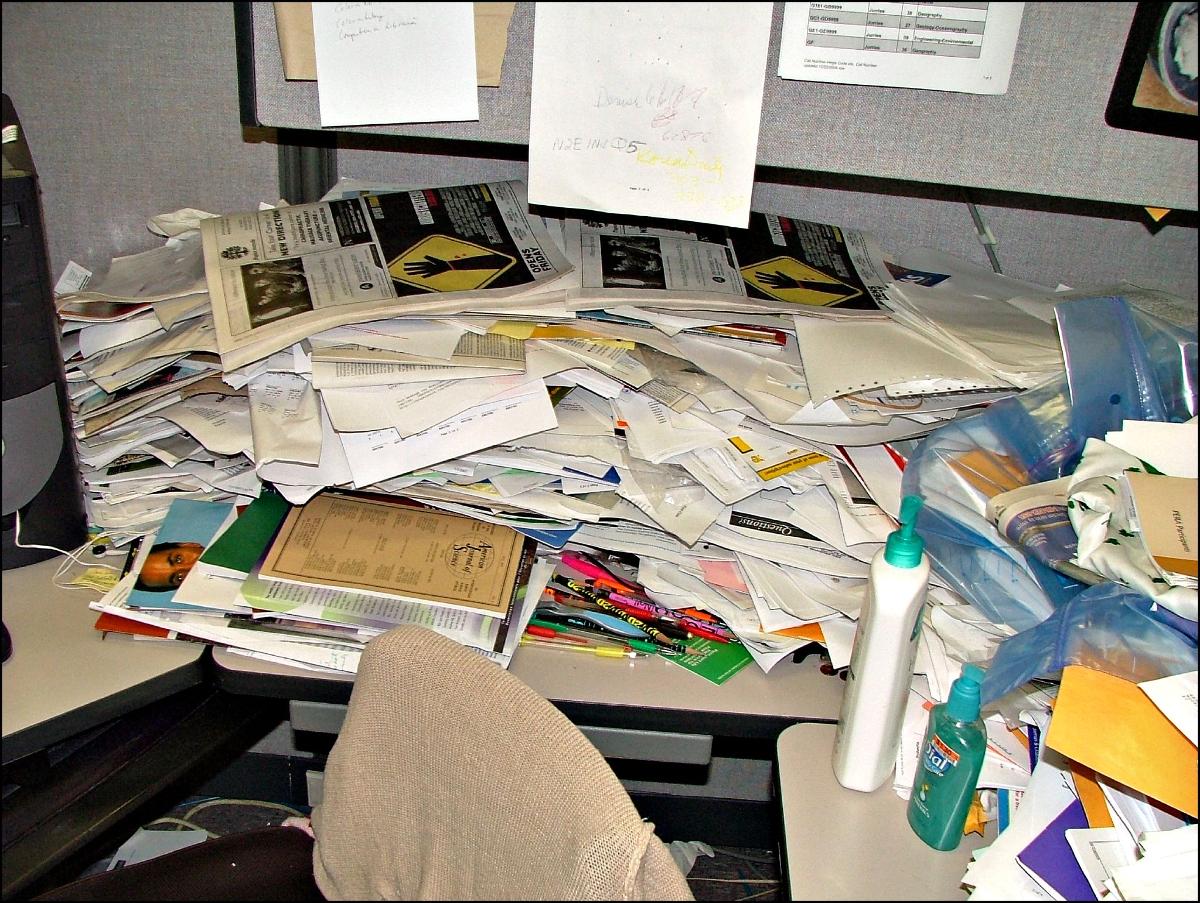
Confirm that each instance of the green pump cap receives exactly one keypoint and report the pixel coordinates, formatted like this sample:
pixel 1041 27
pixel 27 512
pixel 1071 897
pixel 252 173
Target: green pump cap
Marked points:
pixel 904 547
pixel 963 704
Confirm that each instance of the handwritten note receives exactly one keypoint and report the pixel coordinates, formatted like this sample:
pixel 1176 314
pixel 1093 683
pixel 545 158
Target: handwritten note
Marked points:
pixel 649 109
pixel 383 63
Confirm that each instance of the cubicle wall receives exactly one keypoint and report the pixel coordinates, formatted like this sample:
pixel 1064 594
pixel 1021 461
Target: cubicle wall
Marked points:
pixel 132 109
pixel 1061 191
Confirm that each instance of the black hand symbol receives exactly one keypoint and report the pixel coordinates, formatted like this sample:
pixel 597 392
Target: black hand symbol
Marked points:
pixel 430 266
pixel 777 279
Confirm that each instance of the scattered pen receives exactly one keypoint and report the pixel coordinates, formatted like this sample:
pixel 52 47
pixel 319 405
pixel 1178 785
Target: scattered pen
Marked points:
pixel 602 651
pixel 536 630
pixel 671 622
pixel 589 567
pixel 655 634
pixel 632 598
pixel 584 635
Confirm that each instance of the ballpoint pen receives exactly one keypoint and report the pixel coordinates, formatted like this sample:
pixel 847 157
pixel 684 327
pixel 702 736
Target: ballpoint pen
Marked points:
pixel 585 635
pixel 602 651
pixel 588 593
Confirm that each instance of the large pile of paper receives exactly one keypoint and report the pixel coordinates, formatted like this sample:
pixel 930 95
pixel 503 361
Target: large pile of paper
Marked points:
pixel 727 410
pixel 643 390
pixel 731 406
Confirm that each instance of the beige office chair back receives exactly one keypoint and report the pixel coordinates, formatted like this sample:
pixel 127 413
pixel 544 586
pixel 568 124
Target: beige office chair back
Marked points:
pixel 451 779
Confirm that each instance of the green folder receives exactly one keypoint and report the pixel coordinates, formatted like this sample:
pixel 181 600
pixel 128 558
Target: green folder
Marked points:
pixel 235 552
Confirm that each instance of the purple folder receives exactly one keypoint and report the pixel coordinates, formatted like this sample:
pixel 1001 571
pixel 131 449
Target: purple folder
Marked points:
pixel 1049 857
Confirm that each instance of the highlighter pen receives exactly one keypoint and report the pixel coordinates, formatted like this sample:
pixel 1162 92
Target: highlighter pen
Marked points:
pixel 598 573
pixel 660 615
pixel 655 634
pixel 588 636
pixel 602 651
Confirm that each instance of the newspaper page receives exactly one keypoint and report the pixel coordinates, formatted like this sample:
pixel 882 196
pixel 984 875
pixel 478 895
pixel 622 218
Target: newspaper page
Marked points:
pixel 777 264
pixel 277 276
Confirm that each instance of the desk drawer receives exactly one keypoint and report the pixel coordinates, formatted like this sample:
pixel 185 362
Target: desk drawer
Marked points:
pixel 613 742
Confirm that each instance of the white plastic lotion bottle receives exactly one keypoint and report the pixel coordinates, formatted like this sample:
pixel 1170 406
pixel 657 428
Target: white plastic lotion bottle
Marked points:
pixel 881 660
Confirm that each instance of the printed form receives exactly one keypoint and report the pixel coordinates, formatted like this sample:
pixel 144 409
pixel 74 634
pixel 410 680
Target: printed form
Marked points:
pixel 966 47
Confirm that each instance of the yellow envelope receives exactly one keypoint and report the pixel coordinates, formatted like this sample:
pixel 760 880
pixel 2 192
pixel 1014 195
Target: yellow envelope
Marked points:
pixel 1109 725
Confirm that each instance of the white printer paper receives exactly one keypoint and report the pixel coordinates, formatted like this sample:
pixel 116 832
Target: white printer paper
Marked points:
pixel 965 47
pixel 381 63
pixel 649 109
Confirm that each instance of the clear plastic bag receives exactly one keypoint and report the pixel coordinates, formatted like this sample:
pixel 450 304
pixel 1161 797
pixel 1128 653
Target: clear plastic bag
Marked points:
pixel 1121 364
pixel 1108 627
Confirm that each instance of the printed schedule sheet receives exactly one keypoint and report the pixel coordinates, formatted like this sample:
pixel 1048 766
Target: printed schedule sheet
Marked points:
pixel 966 47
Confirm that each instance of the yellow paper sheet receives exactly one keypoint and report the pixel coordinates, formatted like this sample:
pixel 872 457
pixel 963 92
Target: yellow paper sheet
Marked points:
pixel 1109 725
pixel 803 632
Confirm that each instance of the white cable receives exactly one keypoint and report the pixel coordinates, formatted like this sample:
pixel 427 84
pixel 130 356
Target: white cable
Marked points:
pixel 73 557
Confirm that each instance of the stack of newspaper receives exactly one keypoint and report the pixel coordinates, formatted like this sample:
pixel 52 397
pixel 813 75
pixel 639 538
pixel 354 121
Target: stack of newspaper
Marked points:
pixel 732 407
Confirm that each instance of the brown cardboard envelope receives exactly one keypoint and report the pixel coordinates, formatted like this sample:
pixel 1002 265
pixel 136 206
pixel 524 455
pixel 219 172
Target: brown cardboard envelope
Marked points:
pixel 1110 725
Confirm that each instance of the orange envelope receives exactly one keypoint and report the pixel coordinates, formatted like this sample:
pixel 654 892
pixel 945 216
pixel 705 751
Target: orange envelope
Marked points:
pixel 1087 788
pixel 1109 725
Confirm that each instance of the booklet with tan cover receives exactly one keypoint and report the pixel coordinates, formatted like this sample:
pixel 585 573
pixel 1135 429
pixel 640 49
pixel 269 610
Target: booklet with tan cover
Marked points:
pixel 397 548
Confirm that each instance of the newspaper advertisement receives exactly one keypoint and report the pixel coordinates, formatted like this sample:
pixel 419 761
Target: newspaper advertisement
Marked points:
pixel 777 264
pixel 277 276
pixel 1035 519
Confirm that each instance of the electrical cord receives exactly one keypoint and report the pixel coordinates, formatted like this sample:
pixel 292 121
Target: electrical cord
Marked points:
pixel 73 557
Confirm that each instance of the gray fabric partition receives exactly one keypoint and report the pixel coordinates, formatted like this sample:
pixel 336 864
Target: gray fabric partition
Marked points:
pixel 897 159
pixel 1046 136
pixel 132 109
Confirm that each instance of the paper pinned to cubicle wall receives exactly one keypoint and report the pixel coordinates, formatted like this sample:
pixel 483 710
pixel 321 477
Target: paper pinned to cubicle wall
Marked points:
pixel 294 23
pixel 966 47
pixel 385 63
pixel 649 109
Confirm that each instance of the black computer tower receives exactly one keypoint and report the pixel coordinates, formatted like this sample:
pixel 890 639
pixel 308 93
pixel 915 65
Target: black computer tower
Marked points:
pixel 40 472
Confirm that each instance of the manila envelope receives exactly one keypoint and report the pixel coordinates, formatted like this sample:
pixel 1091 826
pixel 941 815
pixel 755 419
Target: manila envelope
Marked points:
pixel 1108 724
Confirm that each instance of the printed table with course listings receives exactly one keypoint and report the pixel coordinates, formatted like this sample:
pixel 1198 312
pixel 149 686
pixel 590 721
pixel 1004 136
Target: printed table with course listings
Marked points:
pixel 933 29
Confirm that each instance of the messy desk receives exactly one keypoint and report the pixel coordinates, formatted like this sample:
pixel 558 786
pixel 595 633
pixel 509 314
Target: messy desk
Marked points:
pixel 303 404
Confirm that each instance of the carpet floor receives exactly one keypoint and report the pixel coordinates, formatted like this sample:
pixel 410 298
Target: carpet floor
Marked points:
pixel 731 873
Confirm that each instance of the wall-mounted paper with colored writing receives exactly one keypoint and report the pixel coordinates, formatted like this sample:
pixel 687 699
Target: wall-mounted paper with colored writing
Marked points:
pixel 384 63
pixel 650 109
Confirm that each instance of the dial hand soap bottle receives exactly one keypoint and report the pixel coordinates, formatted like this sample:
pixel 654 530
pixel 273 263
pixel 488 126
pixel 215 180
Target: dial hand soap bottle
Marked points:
pixel 881 660
pixel 951 759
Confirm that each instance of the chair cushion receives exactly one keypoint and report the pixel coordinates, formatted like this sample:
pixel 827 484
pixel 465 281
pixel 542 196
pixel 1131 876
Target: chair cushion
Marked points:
pixel 452 779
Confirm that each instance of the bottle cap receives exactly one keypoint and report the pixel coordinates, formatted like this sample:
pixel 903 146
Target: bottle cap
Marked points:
pixel 963 704
pixel 904 546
